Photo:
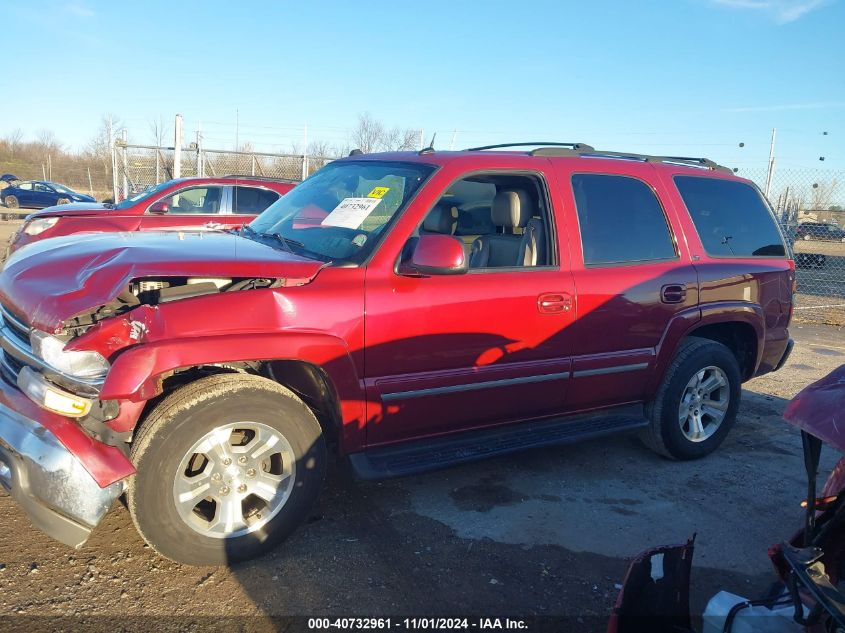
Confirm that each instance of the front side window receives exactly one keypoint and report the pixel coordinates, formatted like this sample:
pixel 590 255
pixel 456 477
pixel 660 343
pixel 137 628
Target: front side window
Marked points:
pixel 339 213
pixel 731 217
pixel 621 220
pixel 194 200
pixel 503 220
pixel 43 188
pixel 143 195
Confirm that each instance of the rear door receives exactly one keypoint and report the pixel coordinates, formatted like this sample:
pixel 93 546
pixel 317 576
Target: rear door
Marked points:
pixel 24 194
pixel 632 276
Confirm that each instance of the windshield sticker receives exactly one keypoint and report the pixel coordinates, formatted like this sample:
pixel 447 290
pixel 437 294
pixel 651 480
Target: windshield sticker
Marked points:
pixel 359 240
pixel 351 212
pixel 378 192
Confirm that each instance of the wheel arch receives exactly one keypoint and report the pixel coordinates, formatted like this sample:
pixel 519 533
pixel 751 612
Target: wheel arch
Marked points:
pixel 318 368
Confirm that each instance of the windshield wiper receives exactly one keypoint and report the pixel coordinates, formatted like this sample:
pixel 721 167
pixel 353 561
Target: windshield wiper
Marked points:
pixel 286 242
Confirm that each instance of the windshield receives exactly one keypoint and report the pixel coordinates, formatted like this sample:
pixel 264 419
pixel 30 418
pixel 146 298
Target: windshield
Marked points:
pixel 61 188
pixel 146 193
pixel 338 213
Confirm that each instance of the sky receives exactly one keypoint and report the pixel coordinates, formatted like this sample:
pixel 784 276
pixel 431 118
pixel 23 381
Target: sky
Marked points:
pixel 680 77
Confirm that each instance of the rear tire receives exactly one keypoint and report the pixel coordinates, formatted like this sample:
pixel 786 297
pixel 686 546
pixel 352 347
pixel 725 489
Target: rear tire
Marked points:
pixel 696 404
pixel 227 467
pixel 12 202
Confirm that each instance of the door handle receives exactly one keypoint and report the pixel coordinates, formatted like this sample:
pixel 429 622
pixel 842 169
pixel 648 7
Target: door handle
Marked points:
pixel 554 302
pixel 673 293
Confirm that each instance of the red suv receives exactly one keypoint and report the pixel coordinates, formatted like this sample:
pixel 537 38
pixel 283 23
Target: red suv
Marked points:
pixel 181 204
pixel 406 311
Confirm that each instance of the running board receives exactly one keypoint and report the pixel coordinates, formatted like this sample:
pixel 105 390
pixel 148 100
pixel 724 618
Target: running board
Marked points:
pixel 419 456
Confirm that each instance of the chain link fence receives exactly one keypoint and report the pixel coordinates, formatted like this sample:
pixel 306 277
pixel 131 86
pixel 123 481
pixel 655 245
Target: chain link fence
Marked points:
pixel 810 206
pixel 140 166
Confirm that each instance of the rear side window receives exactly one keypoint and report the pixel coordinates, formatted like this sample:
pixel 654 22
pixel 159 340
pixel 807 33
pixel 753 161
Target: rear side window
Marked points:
pixel 731 218
pixel 252 200
pixel 621 220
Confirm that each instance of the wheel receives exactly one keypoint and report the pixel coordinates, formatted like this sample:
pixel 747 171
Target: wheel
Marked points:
pixel 227 467
pixel 696 404
pixel 62 201
pixel 807 237
pixel 12 202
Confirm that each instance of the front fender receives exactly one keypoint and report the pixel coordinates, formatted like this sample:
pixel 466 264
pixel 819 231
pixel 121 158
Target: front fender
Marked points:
pixel 136 374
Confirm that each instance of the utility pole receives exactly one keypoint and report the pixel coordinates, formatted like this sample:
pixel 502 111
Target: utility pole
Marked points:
pixel 305 153
pixel 454 136
pixel 771 171
pixel 113 161
pixel 177 147
pixel 200 159
pixel 237 127
pixel 125 138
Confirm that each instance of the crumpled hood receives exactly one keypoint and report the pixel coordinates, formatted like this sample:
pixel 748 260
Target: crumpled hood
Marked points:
pixel 819 409
pixel 72 208
pixel 55 279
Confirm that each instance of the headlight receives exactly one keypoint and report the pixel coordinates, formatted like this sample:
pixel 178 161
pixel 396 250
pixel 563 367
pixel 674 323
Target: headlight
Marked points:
pixel 82 364
pixel 50 397
pixel 39 225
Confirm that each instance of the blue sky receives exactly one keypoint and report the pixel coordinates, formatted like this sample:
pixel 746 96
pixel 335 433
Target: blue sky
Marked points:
pixel 693 77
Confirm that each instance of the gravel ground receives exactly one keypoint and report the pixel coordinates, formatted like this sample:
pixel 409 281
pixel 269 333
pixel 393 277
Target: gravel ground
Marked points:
pixel 548 532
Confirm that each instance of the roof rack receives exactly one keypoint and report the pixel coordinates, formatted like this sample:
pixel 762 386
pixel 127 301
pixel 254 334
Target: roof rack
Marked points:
pixel 705 163
pixel 267 178
pixel 582 149
pixel 573 146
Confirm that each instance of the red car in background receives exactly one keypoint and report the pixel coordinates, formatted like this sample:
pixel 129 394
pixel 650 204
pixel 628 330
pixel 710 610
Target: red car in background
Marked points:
pixel 181 204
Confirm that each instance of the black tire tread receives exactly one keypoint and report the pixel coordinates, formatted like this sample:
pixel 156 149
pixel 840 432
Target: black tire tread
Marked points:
pixel 184 398
pixel 652 435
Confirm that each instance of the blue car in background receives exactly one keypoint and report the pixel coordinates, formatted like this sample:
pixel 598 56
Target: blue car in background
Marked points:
pixel 37 194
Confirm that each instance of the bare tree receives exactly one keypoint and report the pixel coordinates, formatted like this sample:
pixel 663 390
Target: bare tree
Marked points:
pixel 322 149
pixel 47 141
pixel 367 134
pixel 823 194
pixel 160 130
pixel 13 140
pixel 370 135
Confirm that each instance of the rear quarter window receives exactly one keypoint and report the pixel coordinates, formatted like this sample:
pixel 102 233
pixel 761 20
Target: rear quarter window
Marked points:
pixel 731 217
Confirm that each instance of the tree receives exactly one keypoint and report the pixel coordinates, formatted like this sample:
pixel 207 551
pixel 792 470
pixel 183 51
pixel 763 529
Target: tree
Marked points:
pixel 160 131
pixel 12 140
pixel 823 194
pixel 370 135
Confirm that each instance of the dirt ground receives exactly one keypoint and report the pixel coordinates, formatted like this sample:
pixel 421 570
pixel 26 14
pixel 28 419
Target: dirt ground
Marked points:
pixel 548 532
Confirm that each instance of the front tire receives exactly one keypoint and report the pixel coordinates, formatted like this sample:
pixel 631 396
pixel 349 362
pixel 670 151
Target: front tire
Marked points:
pixel 696 404
pixel 227 467
pixel 63 201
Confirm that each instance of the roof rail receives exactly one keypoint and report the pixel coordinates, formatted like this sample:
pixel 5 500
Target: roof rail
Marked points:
pixel 582 149
pixel 574 146
pixel 705 163
pixel 267 178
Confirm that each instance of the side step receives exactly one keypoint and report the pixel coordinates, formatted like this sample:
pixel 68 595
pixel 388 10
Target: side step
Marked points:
pixel 420 456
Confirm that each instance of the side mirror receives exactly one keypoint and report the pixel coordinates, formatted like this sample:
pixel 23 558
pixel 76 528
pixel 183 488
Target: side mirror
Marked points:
pixel 159 207
pixel 436 255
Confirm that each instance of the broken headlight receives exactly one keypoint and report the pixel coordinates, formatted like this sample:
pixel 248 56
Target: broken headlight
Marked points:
pixel 82 364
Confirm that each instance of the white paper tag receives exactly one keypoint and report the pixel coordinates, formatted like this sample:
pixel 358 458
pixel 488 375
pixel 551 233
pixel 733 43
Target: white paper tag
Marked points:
pixel 351 212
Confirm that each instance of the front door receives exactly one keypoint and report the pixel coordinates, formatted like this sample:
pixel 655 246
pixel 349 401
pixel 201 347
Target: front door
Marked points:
pixel 446 353
pixel 192 208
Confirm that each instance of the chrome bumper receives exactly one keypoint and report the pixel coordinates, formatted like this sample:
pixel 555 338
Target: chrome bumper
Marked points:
pixel 48 482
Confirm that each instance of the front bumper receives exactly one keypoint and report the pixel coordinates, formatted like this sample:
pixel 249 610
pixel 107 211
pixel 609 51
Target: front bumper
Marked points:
pixel 64 480
pixel 60 497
